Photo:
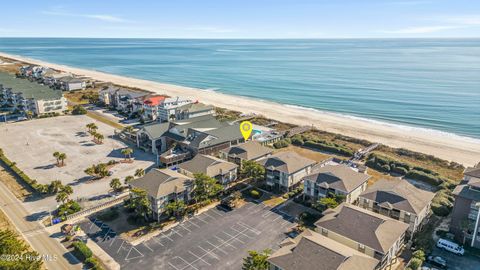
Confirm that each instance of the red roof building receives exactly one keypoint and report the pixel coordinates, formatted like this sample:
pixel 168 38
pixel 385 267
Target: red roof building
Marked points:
pixel 154 100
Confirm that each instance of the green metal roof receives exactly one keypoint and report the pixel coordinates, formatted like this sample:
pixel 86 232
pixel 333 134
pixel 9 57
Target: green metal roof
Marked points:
pixel 29 89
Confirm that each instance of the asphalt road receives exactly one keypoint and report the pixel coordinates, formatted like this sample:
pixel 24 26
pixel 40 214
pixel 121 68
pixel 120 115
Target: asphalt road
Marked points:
pixel 54 254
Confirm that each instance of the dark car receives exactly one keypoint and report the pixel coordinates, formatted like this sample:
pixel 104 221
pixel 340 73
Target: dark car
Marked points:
pixel 437 261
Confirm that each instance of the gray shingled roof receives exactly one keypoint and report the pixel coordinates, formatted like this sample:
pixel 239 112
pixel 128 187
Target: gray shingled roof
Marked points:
pixel 156 130
pixel 196 107
pixel 310 250
pixel 208 165
pixel 340 177
pixel 400 194
pixel 473 171
pixel 29 89
pixel 250 150
pixel 370 229
pixel 159 183
pixel 287 162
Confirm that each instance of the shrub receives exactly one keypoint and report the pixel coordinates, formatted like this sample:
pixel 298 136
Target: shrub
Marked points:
pixel 414 264
pixel 297 140
pixel 329 147
pixel 385 168
pixel 281 144
pixel 108 215
pixel 79 110
pixel 424 177
pixel 400 170
pixel 82 249
pixel 419 254
pixel 255 194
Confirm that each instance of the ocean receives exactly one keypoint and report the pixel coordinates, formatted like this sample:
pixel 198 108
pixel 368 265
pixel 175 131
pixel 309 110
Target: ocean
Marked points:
pixel 424 83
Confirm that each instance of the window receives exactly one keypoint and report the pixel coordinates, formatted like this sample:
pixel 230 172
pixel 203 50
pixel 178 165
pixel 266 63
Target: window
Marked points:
pixel 324 232
pixel 361 247
pixel 407 217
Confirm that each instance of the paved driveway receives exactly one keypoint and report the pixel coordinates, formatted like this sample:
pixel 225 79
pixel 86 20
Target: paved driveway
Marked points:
pixel 466 262
pixel 212 240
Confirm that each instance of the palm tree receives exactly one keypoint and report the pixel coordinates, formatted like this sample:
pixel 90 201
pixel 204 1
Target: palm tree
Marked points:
pixel 61 197
pixel 55 186
pixel 128 129
pixel 91 127
pixel 127 152
pixel 128 179
pixel 100 138
pixel 29 114
pixel 57 155
pixel 115 184
pixel 62 157
pixel 139 172
pixel 67 190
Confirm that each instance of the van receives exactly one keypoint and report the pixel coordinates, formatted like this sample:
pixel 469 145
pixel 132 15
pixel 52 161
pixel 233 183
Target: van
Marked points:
pixel 450 246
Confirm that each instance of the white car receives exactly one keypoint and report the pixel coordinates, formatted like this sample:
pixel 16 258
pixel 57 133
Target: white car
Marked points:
pixel 450 246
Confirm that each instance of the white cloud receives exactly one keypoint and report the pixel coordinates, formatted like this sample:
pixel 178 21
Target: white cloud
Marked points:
pixel 209 29
pixel 422 29
pixel 464 20
pixel 101 17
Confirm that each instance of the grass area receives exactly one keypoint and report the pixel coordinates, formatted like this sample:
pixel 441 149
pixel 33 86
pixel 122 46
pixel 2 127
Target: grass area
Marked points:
pixel 376 175
pixel 308 153
pixel 105 120
pixel 348 142
pixel 78 97
pixel 445 169
pixel 274 201
pixel 15 185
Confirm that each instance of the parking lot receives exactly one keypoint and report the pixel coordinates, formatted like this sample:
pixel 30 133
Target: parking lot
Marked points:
pixel 212 240
pixel 31 145
pixel 455 262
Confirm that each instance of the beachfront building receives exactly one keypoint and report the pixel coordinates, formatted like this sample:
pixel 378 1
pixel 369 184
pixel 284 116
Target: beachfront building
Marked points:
pixel 400 200
pixel 330 180
pixel 122 99
pixel 188 137
pixel 162 187
pixel 311 250
pixel 167 110
pixel 285 170
pixel 465 223
pixel 150 106
pixel 223 171
pixel 52 79
pixel 25 96
pixel 372 234
pixel 249 150
pixel 70 83
pixel 174 109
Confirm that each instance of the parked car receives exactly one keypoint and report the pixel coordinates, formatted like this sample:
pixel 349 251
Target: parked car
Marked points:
pixel 437 261
pixel 450 246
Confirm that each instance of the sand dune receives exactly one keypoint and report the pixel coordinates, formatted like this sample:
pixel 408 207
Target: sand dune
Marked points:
pixel 443 145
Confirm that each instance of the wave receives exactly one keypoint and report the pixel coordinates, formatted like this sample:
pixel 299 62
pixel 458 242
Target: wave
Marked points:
pixel 213 89
pixel 389 124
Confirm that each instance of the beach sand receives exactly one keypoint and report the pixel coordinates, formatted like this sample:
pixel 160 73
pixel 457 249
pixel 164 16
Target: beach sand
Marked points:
pixel 447 146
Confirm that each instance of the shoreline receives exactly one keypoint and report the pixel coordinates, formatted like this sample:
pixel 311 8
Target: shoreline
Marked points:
pixel 449 146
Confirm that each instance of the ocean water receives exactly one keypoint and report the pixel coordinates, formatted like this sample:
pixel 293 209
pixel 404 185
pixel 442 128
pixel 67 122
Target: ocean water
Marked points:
pixel 426 83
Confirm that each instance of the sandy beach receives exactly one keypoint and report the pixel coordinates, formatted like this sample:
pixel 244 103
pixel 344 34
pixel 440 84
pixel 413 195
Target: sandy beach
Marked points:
pixel 443 145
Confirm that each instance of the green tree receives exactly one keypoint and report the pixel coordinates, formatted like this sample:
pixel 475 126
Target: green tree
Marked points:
pixel 115 184
pixel 128 179
pixel 67 190
pixel 253 170
pixel 56 154
pixel 55 187
pixel 325 203
pixel 205 187
pixel 127 152
pixel 78 110
pixel 11 244
pixel 128 129
pixel 62 157
pixel 140 203
pixel 175 209
pixel 91 127
pixel 61 197
pixel 139 172
pixel 256 260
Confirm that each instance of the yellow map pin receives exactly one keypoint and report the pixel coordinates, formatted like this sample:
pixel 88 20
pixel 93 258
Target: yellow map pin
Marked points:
pixel 246 129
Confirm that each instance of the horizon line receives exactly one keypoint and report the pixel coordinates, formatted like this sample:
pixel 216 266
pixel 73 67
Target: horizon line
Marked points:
pixel 241 38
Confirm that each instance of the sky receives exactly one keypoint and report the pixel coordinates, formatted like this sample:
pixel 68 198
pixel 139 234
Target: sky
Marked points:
pixel 241 18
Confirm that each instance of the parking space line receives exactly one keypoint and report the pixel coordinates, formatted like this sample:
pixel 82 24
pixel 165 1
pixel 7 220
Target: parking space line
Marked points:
pixel 158 241
pixel 128 254
pixel 175 231
pixel 93 223
pixel 198 258
pixel 191 222
pixel 145 244
pixel 201 219
pixel 255 231
pixel 174 266
pixel 224 242
pixel 277 218
pixel 166 236
pixel 123 242
pixel 223 251
pixel 188 264
pixel 233 237
pixel 218 213
pixel 114 239
pixel 184 227
pixel 210 253
pixel 208 215
pixel 248 236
